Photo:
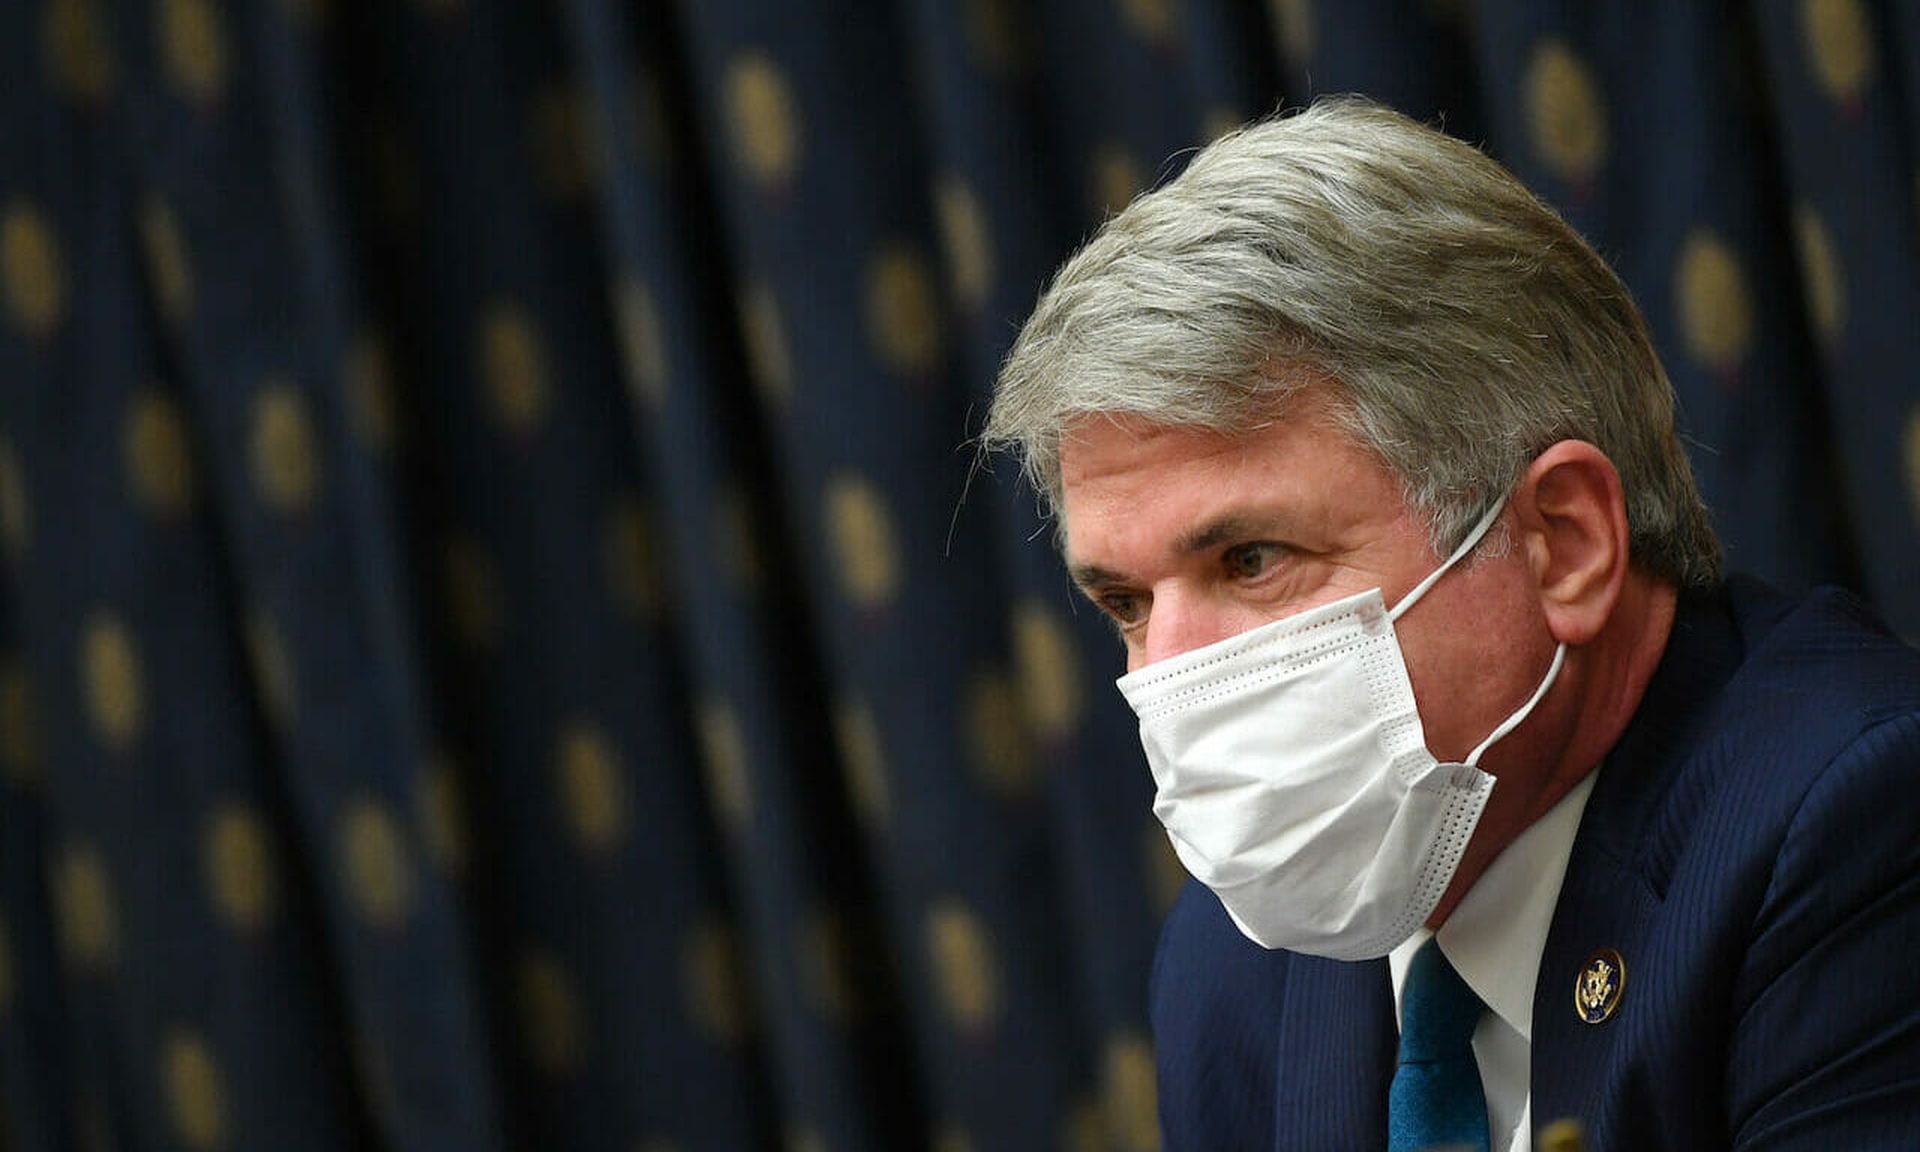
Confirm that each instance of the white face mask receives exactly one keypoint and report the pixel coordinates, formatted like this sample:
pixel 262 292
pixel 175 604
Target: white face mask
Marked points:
pixel 1294 778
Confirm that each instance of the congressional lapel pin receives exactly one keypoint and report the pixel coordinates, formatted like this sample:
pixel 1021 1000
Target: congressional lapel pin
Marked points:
pixel 1597 990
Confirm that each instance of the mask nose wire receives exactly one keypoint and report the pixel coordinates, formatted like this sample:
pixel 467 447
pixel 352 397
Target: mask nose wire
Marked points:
pixel 1466 546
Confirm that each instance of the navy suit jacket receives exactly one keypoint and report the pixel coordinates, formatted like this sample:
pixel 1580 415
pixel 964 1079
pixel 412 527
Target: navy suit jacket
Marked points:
pixel 1751 849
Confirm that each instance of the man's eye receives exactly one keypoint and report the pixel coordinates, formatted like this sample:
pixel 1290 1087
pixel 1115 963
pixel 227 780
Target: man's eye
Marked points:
pixel 1246 561
pixel 1126 608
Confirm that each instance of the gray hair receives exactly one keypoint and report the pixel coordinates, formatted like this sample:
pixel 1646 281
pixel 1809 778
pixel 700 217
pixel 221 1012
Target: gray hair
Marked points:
pixel 1462 325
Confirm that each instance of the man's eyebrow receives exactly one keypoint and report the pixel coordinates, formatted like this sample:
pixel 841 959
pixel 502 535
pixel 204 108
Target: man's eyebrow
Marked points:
pixel 1092 577
pixel 1232 527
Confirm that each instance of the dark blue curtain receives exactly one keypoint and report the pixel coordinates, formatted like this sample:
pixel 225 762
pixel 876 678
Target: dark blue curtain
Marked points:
pixel 503 640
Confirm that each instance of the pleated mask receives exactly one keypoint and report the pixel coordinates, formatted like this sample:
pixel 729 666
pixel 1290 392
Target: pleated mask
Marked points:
pixel 1293 777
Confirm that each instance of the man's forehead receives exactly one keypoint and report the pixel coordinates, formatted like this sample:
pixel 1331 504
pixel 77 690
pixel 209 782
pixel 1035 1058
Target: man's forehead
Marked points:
pixel 1300 461
pixel 1108 440
pixel 1143 425
pixel 1113 464
pixel 1102 439
pixel 1287 395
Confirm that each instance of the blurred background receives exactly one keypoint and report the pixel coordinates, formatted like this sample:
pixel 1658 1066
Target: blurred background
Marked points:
pixel 499 647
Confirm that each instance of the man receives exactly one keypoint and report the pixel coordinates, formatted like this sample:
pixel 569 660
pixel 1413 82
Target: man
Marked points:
pixel 1370 460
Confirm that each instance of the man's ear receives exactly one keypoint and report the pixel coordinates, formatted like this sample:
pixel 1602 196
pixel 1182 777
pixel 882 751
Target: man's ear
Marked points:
pixel 1571 514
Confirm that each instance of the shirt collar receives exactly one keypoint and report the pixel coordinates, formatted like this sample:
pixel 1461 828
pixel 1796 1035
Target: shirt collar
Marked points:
pixel 1496 934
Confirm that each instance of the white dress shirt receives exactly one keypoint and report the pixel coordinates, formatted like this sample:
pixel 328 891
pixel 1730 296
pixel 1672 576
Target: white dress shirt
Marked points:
pixel 1494 938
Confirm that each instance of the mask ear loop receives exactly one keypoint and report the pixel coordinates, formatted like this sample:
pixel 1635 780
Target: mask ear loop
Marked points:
pixel 1518 718
pixel 1469 544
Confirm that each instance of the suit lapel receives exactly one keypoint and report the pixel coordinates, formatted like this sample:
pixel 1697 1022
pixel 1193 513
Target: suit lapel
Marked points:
pixel 1570 1056
pixel 1637 818
pixel 1338 1040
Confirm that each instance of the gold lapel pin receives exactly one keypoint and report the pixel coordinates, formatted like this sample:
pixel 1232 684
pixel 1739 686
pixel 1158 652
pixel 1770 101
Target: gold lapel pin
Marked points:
pixel 1598 988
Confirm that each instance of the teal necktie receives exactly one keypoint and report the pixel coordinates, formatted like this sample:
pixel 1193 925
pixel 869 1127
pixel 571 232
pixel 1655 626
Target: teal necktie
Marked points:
pixel 1436 1099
